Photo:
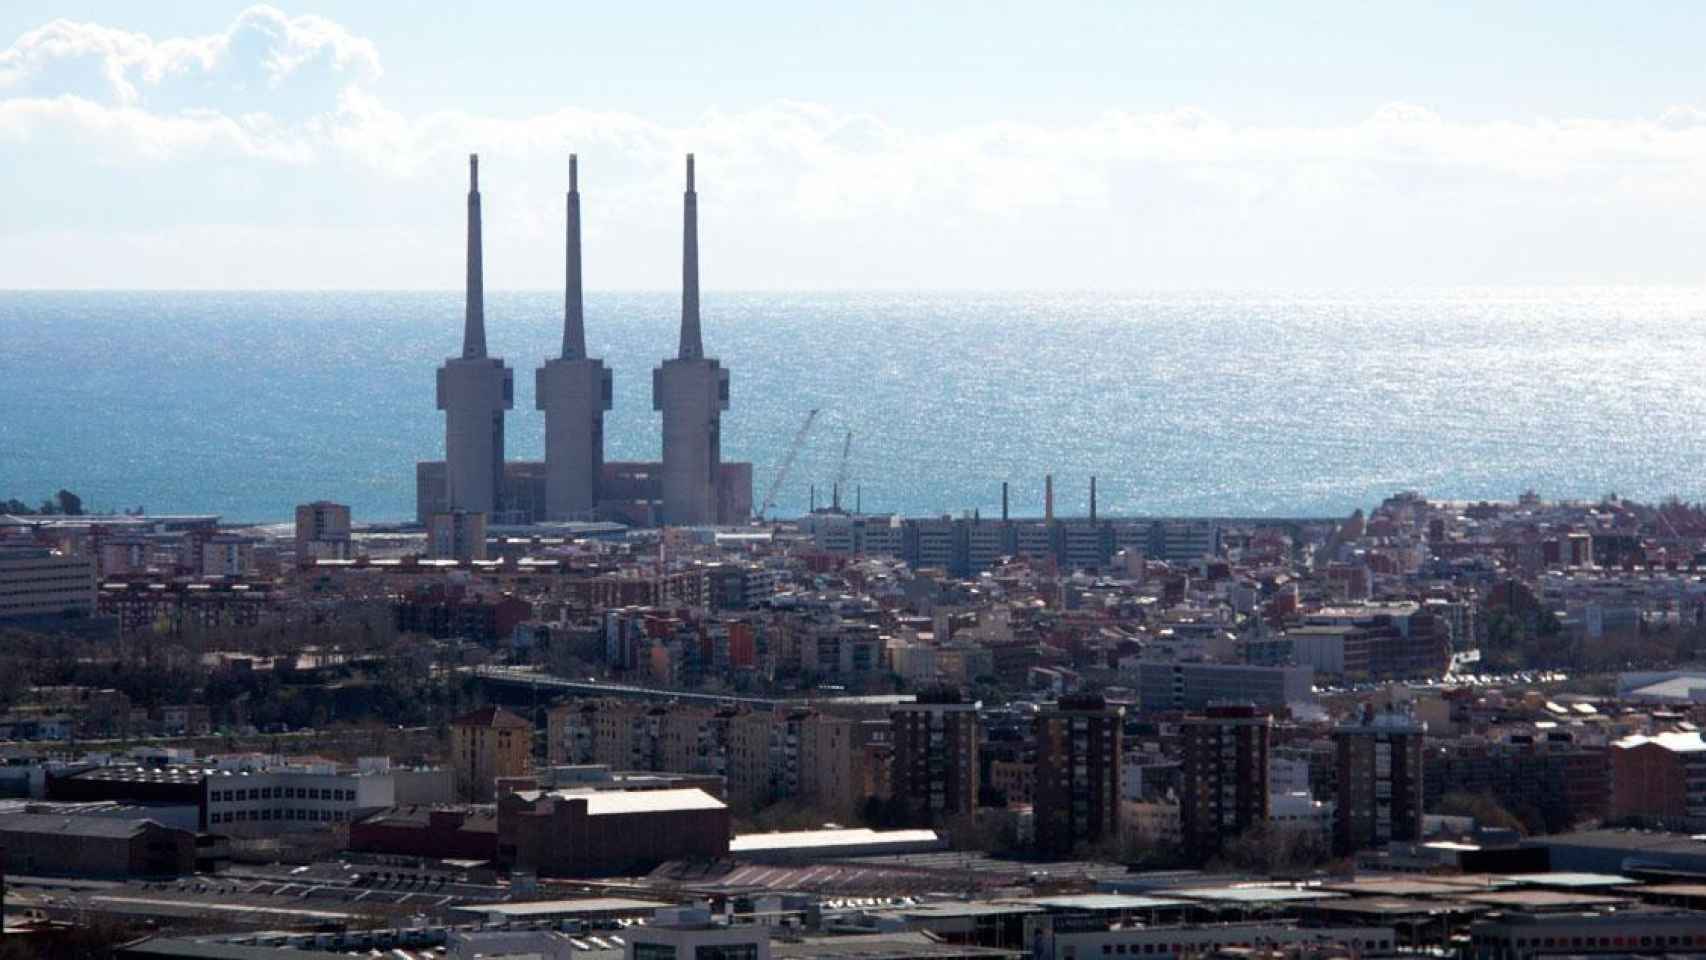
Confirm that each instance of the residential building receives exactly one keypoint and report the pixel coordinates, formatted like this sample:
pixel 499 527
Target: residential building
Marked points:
pixel 935 766
pixel 486 744
pixel 1077 785
pixel 1379 775
pixel 1224 787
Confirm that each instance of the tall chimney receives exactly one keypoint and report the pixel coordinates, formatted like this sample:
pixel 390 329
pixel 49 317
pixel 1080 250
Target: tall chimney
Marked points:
pixel 1048 498
pixel 474 319
pixel 1003 501
pixel 692 347
pixel 574 317
pixel 1092 499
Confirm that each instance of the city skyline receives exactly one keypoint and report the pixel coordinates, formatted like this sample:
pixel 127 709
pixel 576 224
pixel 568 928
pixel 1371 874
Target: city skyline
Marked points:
pixel 1111 149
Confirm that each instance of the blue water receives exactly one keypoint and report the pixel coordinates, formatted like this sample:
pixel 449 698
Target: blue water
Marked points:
pixel 245 404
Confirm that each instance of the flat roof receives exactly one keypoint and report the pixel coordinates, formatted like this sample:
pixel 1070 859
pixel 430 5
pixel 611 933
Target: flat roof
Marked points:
pixel 1542 899
pixel 1411 886
pixel 1577 880
pixel 950 909
pixel 600 803
pixel 886 946
pixel 807 839
pixel 1254 894
pixel 565 908
pixel 1399 906
pixel 1101 901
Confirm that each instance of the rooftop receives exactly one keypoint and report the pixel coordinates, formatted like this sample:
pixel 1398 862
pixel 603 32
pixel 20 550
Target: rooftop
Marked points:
pixel 601 803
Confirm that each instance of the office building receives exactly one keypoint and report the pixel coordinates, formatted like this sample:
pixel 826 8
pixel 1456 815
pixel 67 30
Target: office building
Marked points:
pixel 1224 776
pixel 39 583
pixel 574 390
pixel 1077 784
pixel 1183 685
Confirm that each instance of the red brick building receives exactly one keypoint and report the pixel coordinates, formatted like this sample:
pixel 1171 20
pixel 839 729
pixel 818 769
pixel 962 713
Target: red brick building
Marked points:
pixel 437 833
pixel 606 832
pixel 1652 776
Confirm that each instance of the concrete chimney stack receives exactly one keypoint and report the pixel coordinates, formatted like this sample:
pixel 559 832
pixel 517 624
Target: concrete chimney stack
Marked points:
pixel 1048 498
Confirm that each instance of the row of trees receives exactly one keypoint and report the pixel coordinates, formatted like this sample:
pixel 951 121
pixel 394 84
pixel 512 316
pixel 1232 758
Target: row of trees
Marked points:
pixel 63 503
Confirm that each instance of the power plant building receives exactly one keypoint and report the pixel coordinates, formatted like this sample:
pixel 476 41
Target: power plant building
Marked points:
pixel 690 486
pixel 474 390
pixel 574 390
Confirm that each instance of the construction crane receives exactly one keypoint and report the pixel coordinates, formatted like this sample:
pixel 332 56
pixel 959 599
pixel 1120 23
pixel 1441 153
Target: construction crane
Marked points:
pixel 782 471
pixel 841 476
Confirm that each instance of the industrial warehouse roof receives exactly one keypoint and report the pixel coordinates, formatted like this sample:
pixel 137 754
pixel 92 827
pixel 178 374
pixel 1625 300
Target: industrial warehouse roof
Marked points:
pixel 600 803
pixel 828 839
pixel 540 909
pixel 112 828
pixel 1101 901
pixel 1582 881
pixel 883 946
pixel 1413 886
pixel 1543 899
pixel 1254 895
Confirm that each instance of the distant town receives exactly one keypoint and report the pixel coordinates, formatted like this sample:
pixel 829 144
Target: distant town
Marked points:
pixel 1431 726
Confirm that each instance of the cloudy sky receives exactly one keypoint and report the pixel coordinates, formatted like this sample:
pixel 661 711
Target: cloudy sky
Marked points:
pixel 885 145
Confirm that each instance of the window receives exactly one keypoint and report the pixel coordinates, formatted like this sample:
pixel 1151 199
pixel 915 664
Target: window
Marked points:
pixel 654 951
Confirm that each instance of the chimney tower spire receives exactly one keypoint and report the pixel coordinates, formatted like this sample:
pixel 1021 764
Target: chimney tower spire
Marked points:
pixel 574 318
pixel 474 321
pixel 692 346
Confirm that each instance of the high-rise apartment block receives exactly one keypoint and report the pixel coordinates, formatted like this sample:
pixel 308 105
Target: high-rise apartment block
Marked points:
pixel 1224 776
pixel 1077 786
pixel 1379 773
pixel 935 768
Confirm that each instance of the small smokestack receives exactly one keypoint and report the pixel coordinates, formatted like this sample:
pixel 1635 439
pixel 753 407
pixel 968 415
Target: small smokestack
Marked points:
pixel 814 497
pixel 835 495
pixel 1048 498
pixel 1092 499
pixel 1003 501
pixel 859 499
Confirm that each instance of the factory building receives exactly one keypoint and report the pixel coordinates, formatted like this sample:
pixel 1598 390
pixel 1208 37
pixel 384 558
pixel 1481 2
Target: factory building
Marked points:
pixel 574 390
pixel 474 390
pixel 690 486
pixel 691 391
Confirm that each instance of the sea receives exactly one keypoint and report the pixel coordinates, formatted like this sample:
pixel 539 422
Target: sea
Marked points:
pixel 1223 404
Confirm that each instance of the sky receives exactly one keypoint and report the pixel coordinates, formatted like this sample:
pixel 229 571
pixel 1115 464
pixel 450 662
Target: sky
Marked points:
pixel 876 145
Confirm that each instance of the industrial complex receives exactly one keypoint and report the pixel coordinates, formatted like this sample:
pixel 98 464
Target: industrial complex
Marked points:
pixel 474 485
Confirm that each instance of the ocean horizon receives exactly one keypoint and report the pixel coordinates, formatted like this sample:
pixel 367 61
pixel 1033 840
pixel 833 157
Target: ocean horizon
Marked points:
pixel 1236 403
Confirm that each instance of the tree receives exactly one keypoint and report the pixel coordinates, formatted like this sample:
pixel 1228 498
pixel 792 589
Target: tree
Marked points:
pixel 69 503
pixel 1483 808
pixel 1273 849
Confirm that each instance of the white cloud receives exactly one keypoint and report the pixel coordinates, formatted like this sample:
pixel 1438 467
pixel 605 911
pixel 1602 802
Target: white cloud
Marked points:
pixel 957 203
pixel 120 67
